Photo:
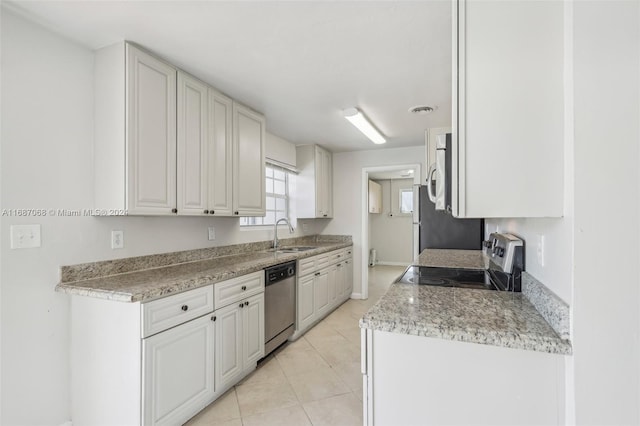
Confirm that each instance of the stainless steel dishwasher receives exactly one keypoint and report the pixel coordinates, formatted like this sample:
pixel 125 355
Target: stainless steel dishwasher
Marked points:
pixel 279 305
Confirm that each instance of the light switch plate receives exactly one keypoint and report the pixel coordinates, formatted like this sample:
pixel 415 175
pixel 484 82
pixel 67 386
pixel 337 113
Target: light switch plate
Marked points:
pixel 212 233
pixel 25 236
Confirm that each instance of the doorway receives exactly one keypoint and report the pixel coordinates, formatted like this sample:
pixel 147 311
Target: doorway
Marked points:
pixel 392 213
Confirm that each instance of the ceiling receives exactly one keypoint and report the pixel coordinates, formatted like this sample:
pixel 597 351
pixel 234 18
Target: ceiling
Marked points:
pixel 299 63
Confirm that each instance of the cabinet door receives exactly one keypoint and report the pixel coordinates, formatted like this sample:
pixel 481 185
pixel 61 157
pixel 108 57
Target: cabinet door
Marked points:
pixel 332 281
pixel 348 278
pixel 321 292
pixel 253 330
pixel 228 344
pixel 151 134
pixel 375 197
pixel 178 376
pixel 340 282
pixel 320 183
pixel 522 129
pixel 305 301
pixel 249 197
pixel 220 154
pixel 327 183
pixel 192 145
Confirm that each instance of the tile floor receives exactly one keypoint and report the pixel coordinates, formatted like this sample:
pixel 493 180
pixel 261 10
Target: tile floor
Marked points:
pixel 315 380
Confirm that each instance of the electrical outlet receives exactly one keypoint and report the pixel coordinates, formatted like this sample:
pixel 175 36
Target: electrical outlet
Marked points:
pixel 540 250
pixel 25 236
pixel 305 228
pixel 117 239
pixel 212 233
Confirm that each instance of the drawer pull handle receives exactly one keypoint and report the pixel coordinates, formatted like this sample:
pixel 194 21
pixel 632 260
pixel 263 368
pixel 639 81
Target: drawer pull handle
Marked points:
pixel 317 274
pixel 185 308
pixel 246 303
pixel 339 265
pixel 213 318
pixel 244 287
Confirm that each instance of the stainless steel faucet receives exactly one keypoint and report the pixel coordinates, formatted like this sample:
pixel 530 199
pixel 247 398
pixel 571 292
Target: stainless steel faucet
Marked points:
pixel 275 231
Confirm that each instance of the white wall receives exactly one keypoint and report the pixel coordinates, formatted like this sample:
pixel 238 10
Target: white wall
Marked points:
pixel 347 194
pixel 607 212
pixel 47 104
pixel 392 235
pixel 592 253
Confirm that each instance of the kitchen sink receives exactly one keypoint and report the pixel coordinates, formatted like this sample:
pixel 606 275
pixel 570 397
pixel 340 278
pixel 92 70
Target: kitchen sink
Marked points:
pixel 292 249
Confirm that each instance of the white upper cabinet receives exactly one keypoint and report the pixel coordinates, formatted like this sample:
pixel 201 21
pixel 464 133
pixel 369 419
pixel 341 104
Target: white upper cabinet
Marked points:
pixel 192 145
pixel 249 135
pixel 135 132
pixel 375 197
pixel 220 154
pixel 508 109
pixel 314 191
pixel 172 144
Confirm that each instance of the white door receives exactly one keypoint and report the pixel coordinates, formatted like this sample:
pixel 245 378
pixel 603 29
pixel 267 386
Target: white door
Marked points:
pixel 192 145
pixel 305 301
pixel 253 329
pixel 228 344
pixel 151 134
pixel 178 372
pixel 249 132
pixel 220 154
pixel 321 292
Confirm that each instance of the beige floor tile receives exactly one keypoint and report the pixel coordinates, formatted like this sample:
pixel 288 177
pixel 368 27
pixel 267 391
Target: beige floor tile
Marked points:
pixel 261 397
pixel 291 416
pixel 317 384
pixel 351 333
pixel 222 409
pixel 342 410
pixel 338 351
pixel 299 345
pixel 268 370
pixel 300 362
pixel 350 374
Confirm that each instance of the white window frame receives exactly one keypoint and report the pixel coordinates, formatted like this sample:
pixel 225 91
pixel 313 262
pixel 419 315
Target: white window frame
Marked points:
pixel 248 222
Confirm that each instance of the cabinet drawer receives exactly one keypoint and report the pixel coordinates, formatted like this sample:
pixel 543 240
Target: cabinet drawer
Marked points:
pixel 235 289
pixel 336 256
pixel 306 266
pixel 170 311
pixel 323 260
pixel 348 252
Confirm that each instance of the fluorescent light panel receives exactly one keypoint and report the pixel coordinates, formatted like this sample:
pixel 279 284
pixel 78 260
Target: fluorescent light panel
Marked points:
pixel 362 123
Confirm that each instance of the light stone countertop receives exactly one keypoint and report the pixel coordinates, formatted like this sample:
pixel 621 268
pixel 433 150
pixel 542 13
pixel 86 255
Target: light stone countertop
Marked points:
pixel 147 284
pixel 467 315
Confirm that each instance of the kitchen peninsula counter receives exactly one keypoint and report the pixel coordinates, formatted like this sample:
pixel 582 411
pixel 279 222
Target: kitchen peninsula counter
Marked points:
pixel 144 278
pixel 495 318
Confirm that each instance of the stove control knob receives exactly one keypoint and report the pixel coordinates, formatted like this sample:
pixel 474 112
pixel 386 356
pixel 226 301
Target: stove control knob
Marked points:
pixel 501 251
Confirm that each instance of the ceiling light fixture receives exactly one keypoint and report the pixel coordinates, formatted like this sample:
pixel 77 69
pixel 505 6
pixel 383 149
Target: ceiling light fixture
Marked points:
pixel 358 119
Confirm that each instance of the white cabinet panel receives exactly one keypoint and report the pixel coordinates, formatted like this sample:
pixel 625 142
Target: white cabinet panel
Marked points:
pixel 511 53
pixel 321 292
pixel 151 134
pixel 305 302
pixel 314 192
pixel 253 329
pixel 220 154
pixel 249 136
pixel 228 345
pixel 192 145
pixel 178 372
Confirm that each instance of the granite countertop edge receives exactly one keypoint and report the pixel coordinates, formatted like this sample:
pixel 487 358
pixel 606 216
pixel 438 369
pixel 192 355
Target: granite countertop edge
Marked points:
pixel 538 343
pixel 188 281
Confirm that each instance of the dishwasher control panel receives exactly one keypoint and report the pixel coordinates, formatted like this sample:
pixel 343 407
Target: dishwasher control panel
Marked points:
pixel 280 272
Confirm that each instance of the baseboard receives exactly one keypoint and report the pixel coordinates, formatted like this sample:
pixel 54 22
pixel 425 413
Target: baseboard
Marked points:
pixel 356 296
pixel 384 263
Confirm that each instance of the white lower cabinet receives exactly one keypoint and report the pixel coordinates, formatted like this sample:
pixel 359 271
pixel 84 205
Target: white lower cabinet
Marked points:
pixel 239 340
pixel 178 372
pixel 529 385
pixel 324 282
pixel 160 362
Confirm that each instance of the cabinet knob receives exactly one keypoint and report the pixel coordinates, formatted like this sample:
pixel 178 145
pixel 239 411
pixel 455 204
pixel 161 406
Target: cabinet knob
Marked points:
pixel 244 287
pixel 174 210
pixel 212 212
pixel 213 318
pixel 339 265
pixel 185 308
pixel 241 305
pixel 246 303
pixel 324 215
pixel 206 212
pixel 317 274
pixel 236 213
